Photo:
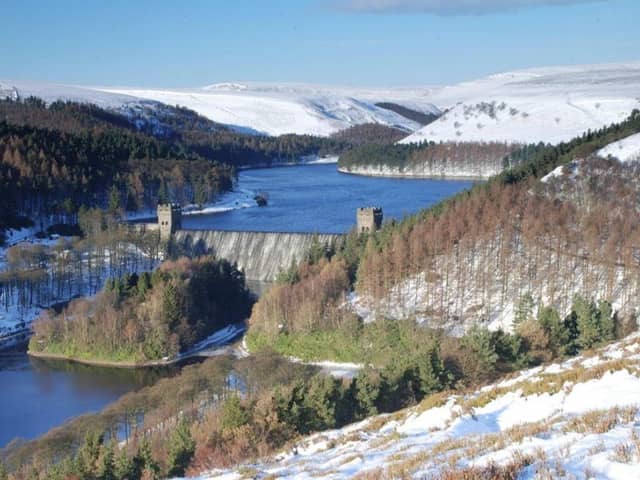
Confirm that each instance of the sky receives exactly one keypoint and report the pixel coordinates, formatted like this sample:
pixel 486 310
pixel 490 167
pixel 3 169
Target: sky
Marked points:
pixel 165 43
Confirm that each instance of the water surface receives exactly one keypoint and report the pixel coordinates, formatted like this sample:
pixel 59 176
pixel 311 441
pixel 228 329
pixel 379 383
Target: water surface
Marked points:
pixel 318 198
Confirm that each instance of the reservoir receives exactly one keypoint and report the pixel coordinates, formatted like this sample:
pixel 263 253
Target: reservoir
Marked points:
pixel 318 198
pixel 39 395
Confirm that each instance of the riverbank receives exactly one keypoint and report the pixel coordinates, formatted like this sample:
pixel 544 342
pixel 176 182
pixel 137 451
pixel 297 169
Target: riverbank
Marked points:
pixel 425 173
pixel 215 344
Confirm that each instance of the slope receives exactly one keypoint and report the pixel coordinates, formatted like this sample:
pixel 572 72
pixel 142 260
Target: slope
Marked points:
pixel 269 109
pixel 625 150
pixel 537 105
pixel 575 419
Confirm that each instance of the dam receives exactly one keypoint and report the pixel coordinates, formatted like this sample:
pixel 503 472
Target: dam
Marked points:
pixel 261 255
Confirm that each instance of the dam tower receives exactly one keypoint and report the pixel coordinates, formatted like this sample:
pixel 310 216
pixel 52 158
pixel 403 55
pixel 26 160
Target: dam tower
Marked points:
pixel 369 219
pixel 169 220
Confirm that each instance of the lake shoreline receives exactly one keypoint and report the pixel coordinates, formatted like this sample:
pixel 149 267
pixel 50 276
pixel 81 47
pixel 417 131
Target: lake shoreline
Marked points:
pixel 209 348
pixel 368 172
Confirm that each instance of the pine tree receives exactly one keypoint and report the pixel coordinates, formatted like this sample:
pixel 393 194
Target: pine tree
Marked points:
pixel 234 414
pixel 108 467
pixel 366 386
pixel 607 320
pixel 432 373
pixel 181 449
pixel 3 472
pixel 124 467
pixel 524 308
pixel 588 323
pixel 143 462
pixel 114 200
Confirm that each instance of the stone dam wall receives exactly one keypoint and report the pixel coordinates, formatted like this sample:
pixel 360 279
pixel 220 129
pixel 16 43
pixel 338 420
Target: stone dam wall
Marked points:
pixel 261 255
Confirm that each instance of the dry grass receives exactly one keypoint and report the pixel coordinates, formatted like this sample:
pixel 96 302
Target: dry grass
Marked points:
pixel 600 421
pixel 508 471
pixel 623 453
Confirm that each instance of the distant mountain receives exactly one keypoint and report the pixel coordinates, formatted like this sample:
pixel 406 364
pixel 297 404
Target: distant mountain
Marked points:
pixel 537 105
pixel 268 109
pixel 551 104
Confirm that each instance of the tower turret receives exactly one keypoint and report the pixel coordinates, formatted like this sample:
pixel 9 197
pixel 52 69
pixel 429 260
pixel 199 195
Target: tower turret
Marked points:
pixel 369 219
pixel 169 219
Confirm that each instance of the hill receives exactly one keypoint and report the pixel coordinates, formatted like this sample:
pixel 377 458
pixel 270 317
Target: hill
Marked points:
pixel 573 419
pixel 548 105
pixel 257 108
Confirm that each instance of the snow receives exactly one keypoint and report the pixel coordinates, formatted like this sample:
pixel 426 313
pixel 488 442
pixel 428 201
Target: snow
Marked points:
pixel 335 369
pixel 424 442
pixel 234 200
pixel 625 150
pixel 219 338
pixel 260 108
pixel 549 104
pixel 16 318
pixel 537 105
pixel 571 168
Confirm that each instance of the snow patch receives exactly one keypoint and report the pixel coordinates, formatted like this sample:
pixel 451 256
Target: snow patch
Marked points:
pixel 625 150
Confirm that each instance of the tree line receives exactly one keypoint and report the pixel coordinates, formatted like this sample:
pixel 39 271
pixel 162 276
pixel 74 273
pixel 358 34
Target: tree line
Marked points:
pixel 61 164
pixel 430 158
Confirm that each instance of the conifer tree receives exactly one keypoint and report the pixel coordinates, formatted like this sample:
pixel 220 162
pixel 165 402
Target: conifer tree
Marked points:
pixel 181 449
pixel 108 466
pixel 234 414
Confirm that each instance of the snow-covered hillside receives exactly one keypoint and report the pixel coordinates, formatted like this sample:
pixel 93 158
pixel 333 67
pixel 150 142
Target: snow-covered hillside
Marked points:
pixel 578 419
pixel 543 104
pixel 281 109
pixel 529 106
pixel 272 109
pixel 625 150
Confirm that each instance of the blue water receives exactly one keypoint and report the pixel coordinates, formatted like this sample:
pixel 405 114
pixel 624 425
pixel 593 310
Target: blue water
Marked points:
pixel 317 198
pixel 37 396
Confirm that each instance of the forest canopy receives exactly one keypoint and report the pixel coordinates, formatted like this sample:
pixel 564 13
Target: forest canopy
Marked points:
pixel 147 316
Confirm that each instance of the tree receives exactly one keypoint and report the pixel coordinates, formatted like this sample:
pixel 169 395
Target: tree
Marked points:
pixel 182 447
pixel 524 308
pixel 114 200
pixel 481 356
pixel 144 284
pixel 143 463
pixel 608 320
pixel 234 414
pixel 366 392
pixel 596 324
pixel 558 335
pixel 432 373
pixel 321 399
pixel 108 466
pixel 124 466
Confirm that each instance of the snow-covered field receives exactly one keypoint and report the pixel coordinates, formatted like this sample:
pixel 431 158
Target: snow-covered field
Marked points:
pixel 541 104
pixel 578 419
pixel 528 106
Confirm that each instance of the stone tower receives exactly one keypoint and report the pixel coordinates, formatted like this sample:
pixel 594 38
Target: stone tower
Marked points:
pixel 169 219
pixel 369 219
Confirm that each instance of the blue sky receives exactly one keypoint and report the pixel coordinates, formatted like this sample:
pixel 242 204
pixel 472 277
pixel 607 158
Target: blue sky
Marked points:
pixel 366 42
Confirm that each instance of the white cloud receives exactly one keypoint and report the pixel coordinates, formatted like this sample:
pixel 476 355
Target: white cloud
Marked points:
pixel 445 7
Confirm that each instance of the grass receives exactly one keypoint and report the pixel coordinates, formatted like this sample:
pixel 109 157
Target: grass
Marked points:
pixel 70 350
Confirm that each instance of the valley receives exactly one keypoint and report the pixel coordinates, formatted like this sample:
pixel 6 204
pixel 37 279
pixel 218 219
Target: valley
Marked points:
pixel 500 253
